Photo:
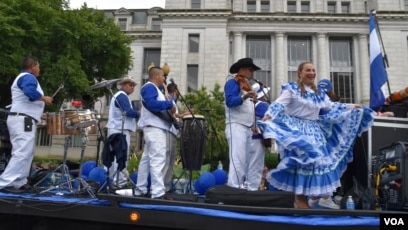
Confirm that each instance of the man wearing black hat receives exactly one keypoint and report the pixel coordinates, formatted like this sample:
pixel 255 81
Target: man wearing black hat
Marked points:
pixel 240 121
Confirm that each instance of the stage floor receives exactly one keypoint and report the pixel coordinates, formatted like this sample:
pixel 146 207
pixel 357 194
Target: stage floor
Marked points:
pixel 112 211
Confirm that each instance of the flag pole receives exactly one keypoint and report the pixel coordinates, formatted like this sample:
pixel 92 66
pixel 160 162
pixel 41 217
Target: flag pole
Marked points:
pixel 385 58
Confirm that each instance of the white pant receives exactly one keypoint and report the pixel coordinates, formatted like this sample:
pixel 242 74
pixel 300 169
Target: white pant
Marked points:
pixel 256 162
pixel 170 159
pixel 153 161
pixel 124 174
pixel 22 153
pixel 246 157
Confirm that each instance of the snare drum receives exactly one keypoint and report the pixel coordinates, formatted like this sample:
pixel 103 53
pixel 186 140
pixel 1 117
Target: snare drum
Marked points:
pixel 193 139
pixel 56 125
pixel 79 118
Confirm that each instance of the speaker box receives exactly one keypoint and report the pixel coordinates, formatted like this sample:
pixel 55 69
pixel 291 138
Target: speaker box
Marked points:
pixel 391 174
pixel 384 132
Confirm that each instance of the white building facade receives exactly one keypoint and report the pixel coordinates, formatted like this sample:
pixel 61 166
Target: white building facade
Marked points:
pixel 201 39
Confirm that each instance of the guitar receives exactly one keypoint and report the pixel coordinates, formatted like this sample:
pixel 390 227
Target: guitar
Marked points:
pixel 165 115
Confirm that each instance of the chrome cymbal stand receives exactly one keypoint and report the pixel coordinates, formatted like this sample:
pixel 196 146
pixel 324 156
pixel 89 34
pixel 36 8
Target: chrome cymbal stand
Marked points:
pixel 82 184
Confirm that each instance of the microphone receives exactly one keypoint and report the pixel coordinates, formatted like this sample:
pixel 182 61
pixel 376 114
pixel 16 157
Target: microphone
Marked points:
pixel 207 110
pixel 258 81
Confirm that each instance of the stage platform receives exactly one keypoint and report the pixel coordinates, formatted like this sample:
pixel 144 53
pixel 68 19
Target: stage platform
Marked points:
pixel 112 211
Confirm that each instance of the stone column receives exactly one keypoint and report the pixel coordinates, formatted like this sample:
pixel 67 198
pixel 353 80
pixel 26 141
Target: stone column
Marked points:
pixel 363 76
pixel 237 46
pixel 279 71
pixel 322 60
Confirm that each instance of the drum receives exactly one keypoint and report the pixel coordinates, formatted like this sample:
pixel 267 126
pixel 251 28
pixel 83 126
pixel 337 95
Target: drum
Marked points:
pixel 193 138
pixel 54 123
pixel 57 123
pixel 79 118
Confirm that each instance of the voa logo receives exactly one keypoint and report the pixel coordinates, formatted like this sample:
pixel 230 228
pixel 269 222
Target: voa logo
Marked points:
pixel 393 221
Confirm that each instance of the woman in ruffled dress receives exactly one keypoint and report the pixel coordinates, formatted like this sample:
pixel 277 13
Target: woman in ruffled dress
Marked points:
pixel 314 149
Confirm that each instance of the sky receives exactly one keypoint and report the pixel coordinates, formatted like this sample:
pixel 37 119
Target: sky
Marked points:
pixel 116 4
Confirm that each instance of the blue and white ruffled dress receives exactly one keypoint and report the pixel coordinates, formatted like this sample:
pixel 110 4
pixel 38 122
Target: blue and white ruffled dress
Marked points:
pixel 314 149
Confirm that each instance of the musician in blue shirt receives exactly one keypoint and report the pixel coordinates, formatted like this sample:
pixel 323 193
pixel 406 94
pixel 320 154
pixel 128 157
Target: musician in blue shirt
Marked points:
pixel 121 110
pixel 155 130
pixel 27 107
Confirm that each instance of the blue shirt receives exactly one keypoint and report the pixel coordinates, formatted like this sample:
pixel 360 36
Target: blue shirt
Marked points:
pixel 232 94
pixel 125 105
pixel 149 94
pixel 28 84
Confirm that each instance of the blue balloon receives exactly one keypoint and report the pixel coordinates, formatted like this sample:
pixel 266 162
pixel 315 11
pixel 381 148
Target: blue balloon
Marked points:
pixel 204 182
pixel 87 167
pixel 220 176
pixel 98 174
pixel 133 177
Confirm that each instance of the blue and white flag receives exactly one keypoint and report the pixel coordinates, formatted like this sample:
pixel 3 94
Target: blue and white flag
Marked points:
pixel 378 74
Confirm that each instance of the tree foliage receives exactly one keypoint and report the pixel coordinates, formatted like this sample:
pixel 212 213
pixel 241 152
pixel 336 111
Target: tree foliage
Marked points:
pixel 75 47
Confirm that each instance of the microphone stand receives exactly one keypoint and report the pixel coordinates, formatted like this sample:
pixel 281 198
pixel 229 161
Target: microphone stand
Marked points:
pixel 263 90
pixel 192 114
pixel 100 139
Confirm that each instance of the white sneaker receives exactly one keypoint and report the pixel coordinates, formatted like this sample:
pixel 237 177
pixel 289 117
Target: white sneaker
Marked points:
pixel 312 203
pixel 328 203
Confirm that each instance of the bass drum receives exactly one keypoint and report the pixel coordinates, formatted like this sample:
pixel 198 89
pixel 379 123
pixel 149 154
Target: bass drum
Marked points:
pixel 193 139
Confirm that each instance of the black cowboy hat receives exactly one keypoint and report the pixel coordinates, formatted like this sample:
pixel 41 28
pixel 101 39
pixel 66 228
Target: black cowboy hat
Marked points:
pixel 244 62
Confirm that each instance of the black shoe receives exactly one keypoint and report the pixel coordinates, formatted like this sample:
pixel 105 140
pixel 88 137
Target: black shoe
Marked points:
pixel 23 189
pixel 137 193
pixel 159 198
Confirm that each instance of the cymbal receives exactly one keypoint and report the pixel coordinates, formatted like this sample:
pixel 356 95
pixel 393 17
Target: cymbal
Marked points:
pixel 104 83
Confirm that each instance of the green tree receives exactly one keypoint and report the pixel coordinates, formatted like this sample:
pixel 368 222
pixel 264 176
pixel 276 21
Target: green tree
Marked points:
pixel 75 47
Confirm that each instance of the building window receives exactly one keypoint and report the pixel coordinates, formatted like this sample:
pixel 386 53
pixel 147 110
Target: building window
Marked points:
pixel 406 5
pixel 341 68
pixel 345 7
pixel 299 50
pixel 192 78
pixel 193 43
pixel 305 7
pixel 331 7
pixel 150 56
pixel 251 6
pixel 265 6
pixel 122 23
pixel 195 4
pixel 259 49
pixel 42 137
pixel 156 24
pixel 291 7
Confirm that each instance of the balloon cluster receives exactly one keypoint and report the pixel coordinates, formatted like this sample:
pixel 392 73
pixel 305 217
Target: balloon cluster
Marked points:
pixel 208 180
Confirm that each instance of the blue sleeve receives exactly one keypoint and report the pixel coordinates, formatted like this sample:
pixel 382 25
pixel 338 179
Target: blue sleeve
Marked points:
pixel 28 84
pixel 232 93
pixel 149 95
pixel 261 109
pixel 123 101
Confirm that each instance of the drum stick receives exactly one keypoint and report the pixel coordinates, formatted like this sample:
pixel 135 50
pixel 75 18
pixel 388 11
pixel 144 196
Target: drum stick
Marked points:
pixel 59 88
